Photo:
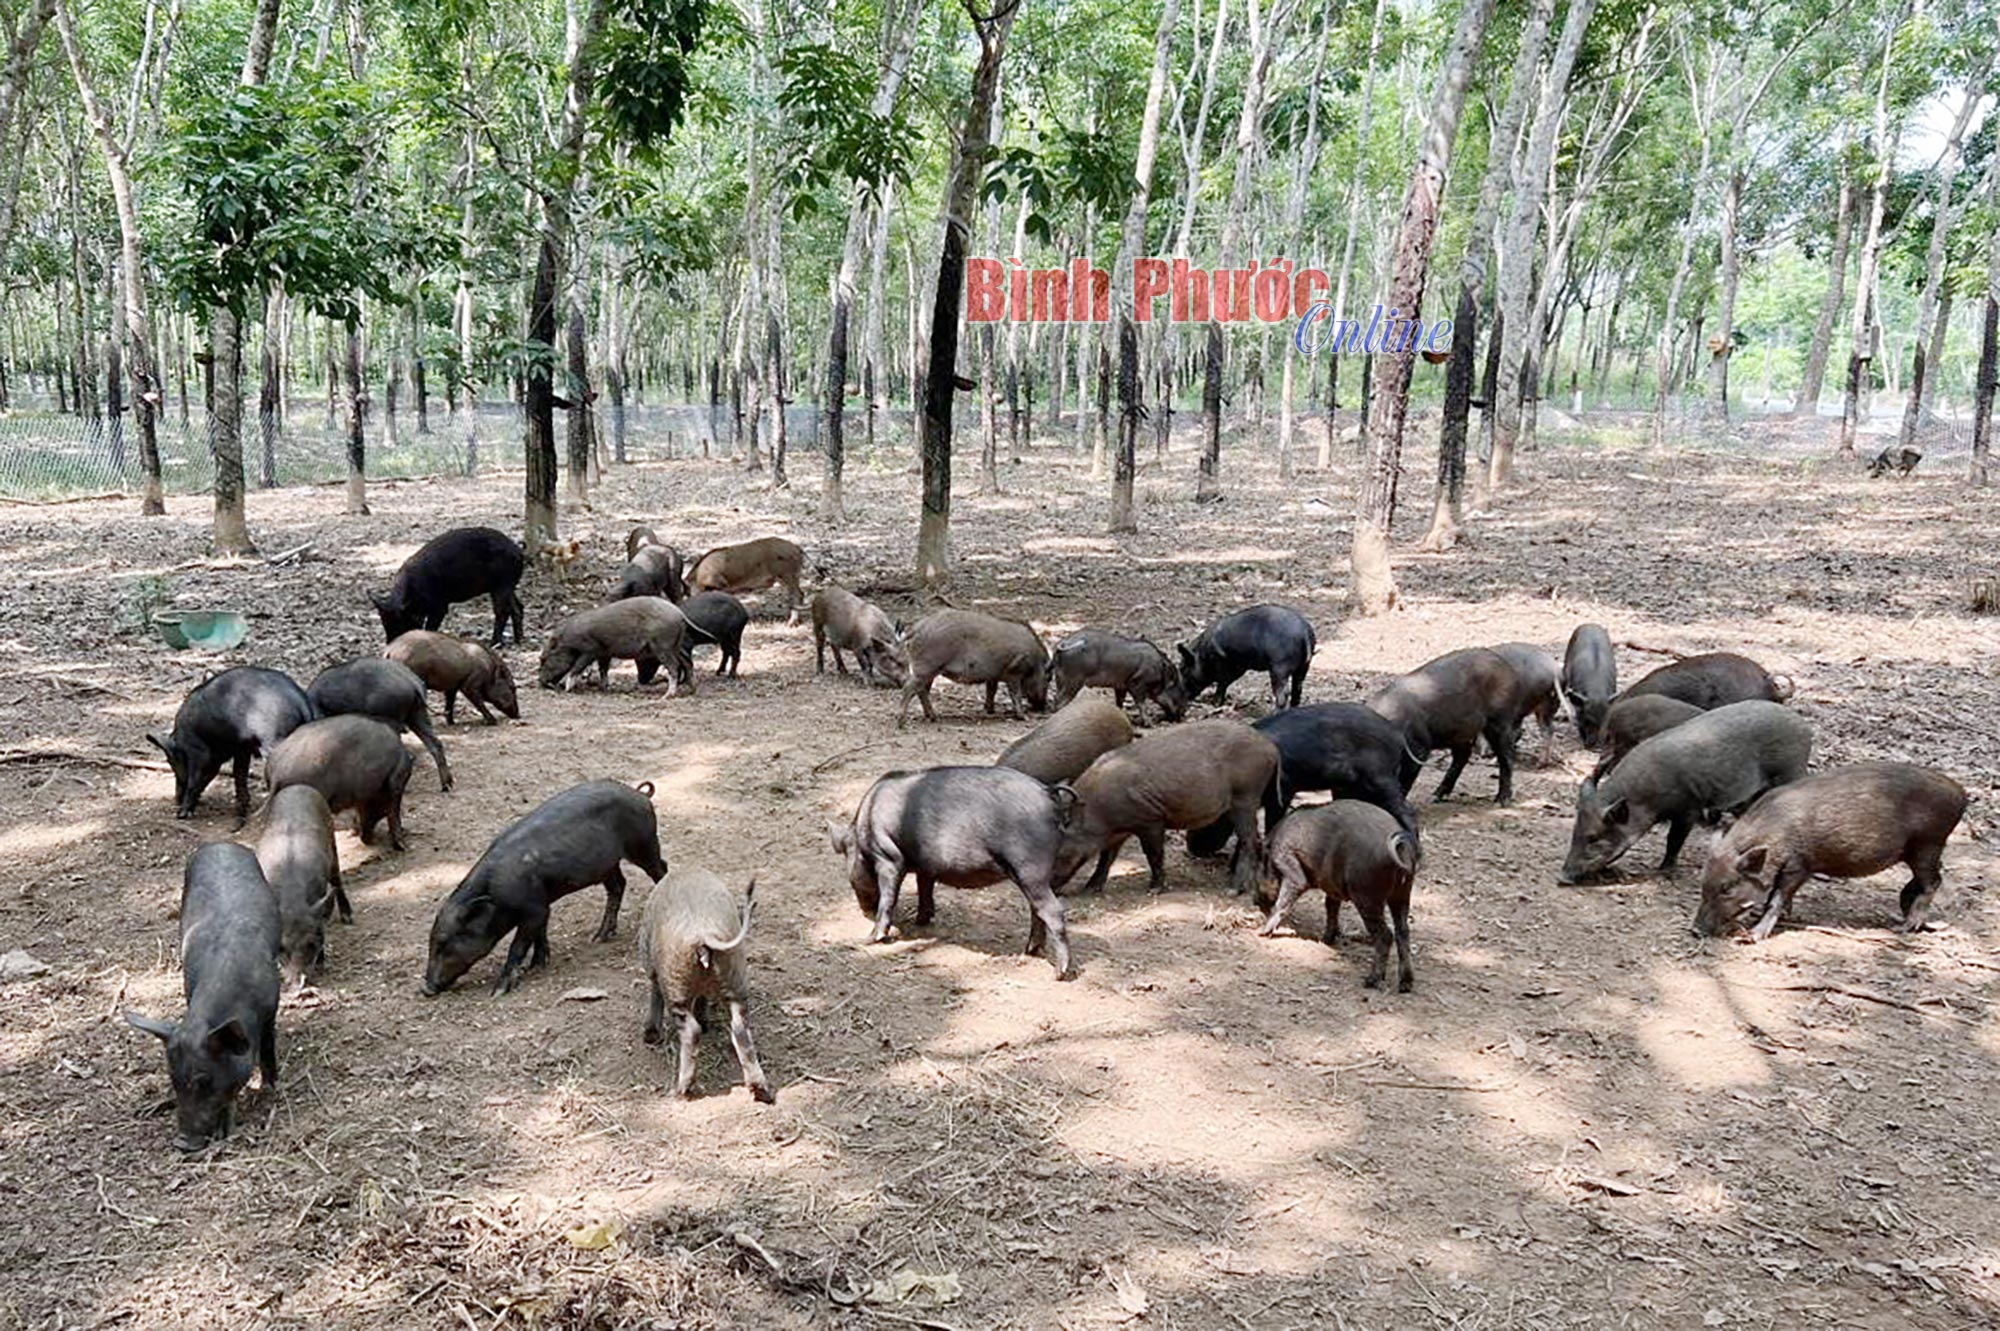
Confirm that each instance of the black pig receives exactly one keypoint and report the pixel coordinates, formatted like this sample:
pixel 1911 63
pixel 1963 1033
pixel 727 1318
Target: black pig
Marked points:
pixel 386 690
pixel 229 718
pixel 1271 638
pixel 459 565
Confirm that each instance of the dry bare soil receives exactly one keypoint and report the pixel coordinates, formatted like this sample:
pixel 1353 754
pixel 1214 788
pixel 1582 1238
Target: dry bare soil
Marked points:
pixel 1584 1116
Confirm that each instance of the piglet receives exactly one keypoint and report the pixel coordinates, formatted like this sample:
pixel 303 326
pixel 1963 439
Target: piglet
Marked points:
pixel 691 939
pixel 356 762
pixel 1352 852
pixel 300 863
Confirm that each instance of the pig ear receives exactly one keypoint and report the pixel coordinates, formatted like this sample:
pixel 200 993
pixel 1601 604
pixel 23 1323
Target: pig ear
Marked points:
pixel 164 746
pixel 379 602
pixel 1187 657
pixel 150 1025
pixel 840 834
pixel 1617 811
pixel 1750 861
pixel 229 1040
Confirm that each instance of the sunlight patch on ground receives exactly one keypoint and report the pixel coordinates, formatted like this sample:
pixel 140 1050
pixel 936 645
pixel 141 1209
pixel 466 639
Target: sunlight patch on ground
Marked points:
pixel 28 839
pixel 1693 1033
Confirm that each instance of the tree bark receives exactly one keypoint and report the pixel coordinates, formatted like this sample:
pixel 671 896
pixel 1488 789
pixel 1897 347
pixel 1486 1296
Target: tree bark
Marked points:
pixel 1864 336
pixel 1814 376
pixel 941 368
pixel 1928 311
pixel 1721 342
pixel 1989 336
pixel 580 427
pixel 1448 512
pixel 1295 203
pixel 1354 199
pixel 1373 583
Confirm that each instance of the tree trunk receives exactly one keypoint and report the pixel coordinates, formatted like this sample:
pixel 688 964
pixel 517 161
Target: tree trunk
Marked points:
pixel 268 401
pixel 774 392
pixel 1989 336
pixel 1355 192
pixel 579 427
pixel 1518 254
pixel 1814 376
pixel 1448 512
pixel 1373 583
pixel 1928 310
pixel 1721 343
pixel 353 399
pixel 1295 202
pixel 941 368
pixel 1861 349
pixel 540 512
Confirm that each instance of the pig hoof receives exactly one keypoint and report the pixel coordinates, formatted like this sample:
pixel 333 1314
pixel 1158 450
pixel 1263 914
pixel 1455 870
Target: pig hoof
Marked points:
pixel 1069 974
pixel 762 1093
pixel 1372 982
pixel 1406 984
pixel 652 1035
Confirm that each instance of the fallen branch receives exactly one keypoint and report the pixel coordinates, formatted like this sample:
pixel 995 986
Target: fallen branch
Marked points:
pixel 74 756
pixel 1656 651
pixel 69 499
pixel 1429 1085
pixel 847 753
pixel 1865 995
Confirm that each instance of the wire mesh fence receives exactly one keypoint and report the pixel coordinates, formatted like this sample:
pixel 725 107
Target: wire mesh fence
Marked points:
pixel 47 454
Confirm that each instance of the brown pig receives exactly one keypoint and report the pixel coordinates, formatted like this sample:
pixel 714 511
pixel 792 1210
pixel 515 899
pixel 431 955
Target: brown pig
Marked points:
pixel 1186 777
pixel 691 939
pixel 1063 747
pixel 1632 721
pixel 1355 852
pixel 842 620
pixel 458 665
pixel 751 567
pixel 970 647
pixel 1846 823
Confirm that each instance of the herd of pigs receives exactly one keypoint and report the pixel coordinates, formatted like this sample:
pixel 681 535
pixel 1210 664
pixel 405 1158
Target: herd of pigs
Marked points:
pixel 1706 738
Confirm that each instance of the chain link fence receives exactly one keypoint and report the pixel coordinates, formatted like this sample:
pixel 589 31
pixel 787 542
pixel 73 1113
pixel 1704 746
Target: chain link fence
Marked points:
pixel 47 454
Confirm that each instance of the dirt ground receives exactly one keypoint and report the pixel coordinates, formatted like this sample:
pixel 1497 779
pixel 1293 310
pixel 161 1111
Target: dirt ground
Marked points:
pixel 1584 1115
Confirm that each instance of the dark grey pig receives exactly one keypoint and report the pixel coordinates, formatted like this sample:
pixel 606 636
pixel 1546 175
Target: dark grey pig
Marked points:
pixel 647 630
pixel 1188 777
pixel 1449 703
pixel 1632 721
pixel 565 844
pixel 655 570
pixel 1714 679
pixel 1064 746
pixel 691 939
pixel 1847 823
pixel 356 762
pixel 455 665
pixel 970 647
pixel 1271 638
pixel 459 565
pixel 229 718
pixel 963 827
pixel 386 690
pixel 1537 691
pixel 1717 763
pixel 1589 679
pixel 229 972
pixel 1341 747
pixel 719 618
pixel 845 622
pixel 1352 852
pixel 1129 667
pixel 298 858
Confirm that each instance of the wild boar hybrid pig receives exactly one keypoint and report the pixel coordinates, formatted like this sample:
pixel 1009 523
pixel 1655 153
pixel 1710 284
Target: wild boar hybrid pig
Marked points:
pixel 300 863
pixel 1271 638
pixel 1192 775
pixel 1449 703
pixel 639 537
pixel 655 570
pixel 1713 680
pixel 1589 679
pixel 845 622
pixel 1631 721
pixel 691 939
pixel 1063 747
pixel 463 563
pixel 971 647
pixel 563 845
pixel 1717 763
pixel 1846 823
pixel 751 567
pixel 1537 691
pixel 718 618
pixel 1341 747
pixel 963 827
pixel 650 631
pixel 1902 461
pixel 455 665
pixel 355 762
pixel 386 690
pixel 1352 852
pixel 1129 667
pixel 229 972
pixel 229 718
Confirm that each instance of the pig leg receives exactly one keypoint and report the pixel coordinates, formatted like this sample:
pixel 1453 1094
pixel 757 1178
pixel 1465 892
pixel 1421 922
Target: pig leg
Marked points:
pixel 690 1042
pixel 1110 853
pixel 819 653
pixel 746 1053
pixel 992 686
pixel 1378 933
pixel 1399 911
pixel 1299 681
pixel 614 897
pixel 515 611
pixel 1290 883
pixel 530 947
pixel 888 884
pixel 926 898
pixel 1460 755
pixel 656 1012
pixel 486 717
pixel 420 724
pixel 1926 874
pixel 1787 880
pixel 918 687
pixel 1017 705
pixel 393 810
pixel 1249 847
pixel 1153 840
pixel 267 1055
pixel 1278 689
pixel 451 706
pixel 792 586
pixel 1330 935
pixel 240 771
pixel 1501 738
pixel 1677 833
pixel 1048 929
pixel 340 901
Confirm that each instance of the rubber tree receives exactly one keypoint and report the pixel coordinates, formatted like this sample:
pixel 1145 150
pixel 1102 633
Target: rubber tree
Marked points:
pixel 1355 191
pixel 1448 512
pixel 1295 205
pixel 1813 377
pixel 1921 370
pixel 1131 244
pixel 940 375
pixel 1373 583
pixel 1887 134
